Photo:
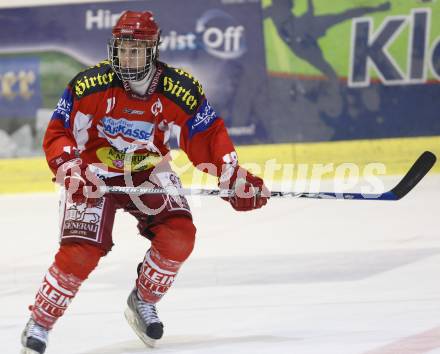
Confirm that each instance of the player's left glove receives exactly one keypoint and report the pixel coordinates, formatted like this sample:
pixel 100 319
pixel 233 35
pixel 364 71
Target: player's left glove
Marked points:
pixel 249 190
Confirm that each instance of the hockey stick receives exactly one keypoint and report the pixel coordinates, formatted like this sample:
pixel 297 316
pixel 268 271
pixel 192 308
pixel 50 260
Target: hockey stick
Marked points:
pixel 420 168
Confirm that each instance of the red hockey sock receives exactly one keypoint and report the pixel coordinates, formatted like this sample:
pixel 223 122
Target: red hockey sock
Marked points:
pixel 156 276
pixel 78 259
pixel 174 238
pixel 172 244
pixel 73 263
pixel 55 294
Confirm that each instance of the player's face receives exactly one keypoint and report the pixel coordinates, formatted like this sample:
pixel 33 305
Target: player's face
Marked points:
pixel 132 54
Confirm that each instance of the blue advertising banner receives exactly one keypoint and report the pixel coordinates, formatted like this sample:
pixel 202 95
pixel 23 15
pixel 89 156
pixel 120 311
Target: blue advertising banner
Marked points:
pixel 219 42
pixel 20 94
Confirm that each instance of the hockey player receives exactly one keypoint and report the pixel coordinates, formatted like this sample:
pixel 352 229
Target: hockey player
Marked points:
pixel 130 105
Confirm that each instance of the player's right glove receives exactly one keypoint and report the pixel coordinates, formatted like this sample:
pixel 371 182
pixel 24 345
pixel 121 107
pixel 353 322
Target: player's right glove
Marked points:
pixel 78 180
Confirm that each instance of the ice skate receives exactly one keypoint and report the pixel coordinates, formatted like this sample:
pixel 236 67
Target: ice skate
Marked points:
pixel 142 317
pixel 34 338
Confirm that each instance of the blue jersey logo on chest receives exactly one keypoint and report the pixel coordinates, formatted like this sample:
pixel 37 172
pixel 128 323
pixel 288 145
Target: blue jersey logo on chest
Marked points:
pixel 132 129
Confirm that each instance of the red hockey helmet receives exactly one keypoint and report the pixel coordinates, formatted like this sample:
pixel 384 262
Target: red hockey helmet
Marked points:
pixel 133 48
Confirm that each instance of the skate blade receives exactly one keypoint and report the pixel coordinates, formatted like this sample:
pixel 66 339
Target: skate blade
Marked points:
pixel 134 324
pixel 28 351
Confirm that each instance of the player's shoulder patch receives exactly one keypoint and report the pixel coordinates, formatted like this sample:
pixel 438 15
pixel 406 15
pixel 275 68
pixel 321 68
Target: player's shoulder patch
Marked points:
pixel 182 88
pixel 94 79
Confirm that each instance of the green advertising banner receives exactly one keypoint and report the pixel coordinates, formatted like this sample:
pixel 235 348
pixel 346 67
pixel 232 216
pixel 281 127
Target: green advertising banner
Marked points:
pixel 327 28
pixel 341 69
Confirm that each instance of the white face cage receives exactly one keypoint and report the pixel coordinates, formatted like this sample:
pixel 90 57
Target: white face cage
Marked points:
pixel 132 59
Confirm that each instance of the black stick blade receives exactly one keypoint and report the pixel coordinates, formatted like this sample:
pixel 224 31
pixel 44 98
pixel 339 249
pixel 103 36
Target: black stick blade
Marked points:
pixel 419 170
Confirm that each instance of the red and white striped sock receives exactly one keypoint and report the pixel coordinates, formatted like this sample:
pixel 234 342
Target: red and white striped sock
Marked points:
pixel 156 276
pixel 54 296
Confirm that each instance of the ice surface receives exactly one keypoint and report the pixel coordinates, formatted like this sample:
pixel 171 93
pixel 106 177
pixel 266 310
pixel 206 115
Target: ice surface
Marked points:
pixel 299 276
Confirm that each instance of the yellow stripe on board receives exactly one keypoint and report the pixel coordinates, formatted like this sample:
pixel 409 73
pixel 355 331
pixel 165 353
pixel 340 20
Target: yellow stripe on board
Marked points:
pixel 25 175
pixel 299 161
pixel 397 155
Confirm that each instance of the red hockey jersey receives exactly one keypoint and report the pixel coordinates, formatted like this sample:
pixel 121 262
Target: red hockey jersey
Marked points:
pixel 101 119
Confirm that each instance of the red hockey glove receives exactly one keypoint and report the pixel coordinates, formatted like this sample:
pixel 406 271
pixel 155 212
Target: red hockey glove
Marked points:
pixel 249 190
pixel 78 181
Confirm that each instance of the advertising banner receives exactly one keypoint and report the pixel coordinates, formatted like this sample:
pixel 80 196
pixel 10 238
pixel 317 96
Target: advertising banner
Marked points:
pixel 20 94
pixel 219 42
pixel 341 70
pixel 276 70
